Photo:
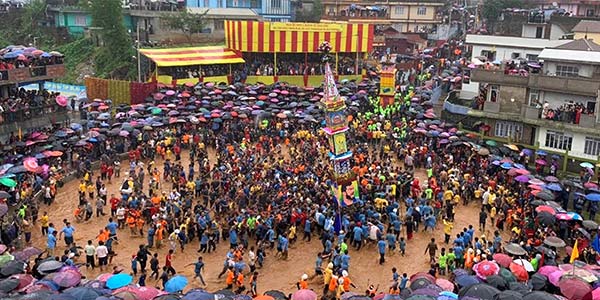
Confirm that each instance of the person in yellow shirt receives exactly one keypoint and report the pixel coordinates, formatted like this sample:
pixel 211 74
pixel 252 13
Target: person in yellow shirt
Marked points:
pixel 44 222
pixel 82 188
pixel 448 195
pixel 448 226
pixel 327 275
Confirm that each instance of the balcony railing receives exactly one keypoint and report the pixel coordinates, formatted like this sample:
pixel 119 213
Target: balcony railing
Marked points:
pixel 332 16
pixel 498 77
pixel 32 112
pixel 243 4
pixel 25 74
pixel 578 86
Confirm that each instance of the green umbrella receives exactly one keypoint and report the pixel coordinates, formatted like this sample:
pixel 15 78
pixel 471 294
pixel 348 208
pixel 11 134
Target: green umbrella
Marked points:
pixel 5 258
pixel 5 181
pixel 156 111
pixel 491 143
pixel 507 275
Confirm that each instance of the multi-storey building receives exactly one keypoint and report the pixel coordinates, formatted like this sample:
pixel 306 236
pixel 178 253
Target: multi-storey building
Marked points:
pixel 270 10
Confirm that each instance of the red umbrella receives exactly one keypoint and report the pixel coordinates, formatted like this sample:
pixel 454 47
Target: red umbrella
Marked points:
pixel 546 208
pixel 422 275
pixel 503 259
pixel 574 289
pixel 535 187
pixel 519 272
pixel 30 164
pixel 486 268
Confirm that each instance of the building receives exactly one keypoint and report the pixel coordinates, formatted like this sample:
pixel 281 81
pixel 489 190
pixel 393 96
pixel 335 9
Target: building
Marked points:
pixel 504 48
pixel 580 8
pixel 587 29
pixel 554 109
pixel 270 10
pixel 403 15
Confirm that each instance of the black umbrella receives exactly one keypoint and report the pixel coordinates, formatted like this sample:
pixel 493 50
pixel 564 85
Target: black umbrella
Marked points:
pixel 419 283
pixel 497 282
pixel 38 295
pixel 479 291
pixel 537 282
pixel 519 287
pixel 50 266
pixel 508 295
pixel 590 225
pixel 12 267
pixel 8 284
pixel 545 195
pixel 537 202
pixel 546 218
pixel 515 249
pixel 553 241
pixel 4 195
pixel 278 295
pixel 167 297
pixel 538 295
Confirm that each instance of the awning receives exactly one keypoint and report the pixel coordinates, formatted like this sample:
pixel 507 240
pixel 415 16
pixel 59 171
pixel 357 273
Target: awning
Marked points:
pixel 175 57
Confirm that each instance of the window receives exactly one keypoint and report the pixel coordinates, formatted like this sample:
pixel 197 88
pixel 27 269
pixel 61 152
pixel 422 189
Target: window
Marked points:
pixel 532 57
pixel 534 97
pixel 493 91
pixel 206 3
pixel 515 55
pixel 558 140
pixel 219 25
pixel 539 32
pixel 421 10
pixel 567 71
pixel 491 55
pixel 591 106
pixel 276 3
pixel 80 20
pixel 508 129
pixel 592 146
pixel 399 10
pixel 589 13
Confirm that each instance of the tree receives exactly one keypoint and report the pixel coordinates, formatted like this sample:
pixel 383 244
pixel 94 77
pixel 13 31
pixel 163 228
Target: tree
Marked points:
pixel 492 9
pixel 114 58
pixel 311 16
pixel 186 22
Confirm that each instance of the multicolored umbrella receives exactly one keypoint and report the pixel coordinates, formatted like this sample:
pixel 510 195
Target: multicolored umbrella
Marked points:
pixel 486 268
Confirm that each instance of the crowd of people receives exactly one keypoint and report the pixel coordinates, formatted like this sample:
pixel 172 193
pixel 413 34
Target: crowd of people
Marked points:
pixel 569 112
pixel 268 186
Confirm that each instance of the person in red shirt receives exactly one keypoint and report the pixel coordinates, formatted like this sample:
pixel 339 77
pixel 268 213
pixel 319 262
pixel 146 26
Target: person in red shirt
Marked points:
pixel 169 262
pixel 114 204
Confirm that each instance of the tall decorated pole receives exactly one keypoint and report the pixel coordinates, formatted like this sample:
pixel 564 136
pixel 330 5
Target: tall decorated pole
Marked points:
pixel 344 184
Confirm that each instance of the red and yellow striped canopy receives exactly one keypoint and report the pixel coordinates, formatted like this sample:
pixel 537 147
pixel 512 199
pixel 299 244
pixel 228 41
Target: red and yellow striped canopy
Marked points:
pixel 175 57
pixel 255 36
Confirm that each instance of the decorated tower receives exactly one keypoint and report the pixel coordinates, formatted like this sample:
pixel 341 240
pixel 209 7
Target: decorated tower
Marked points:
pixel 336 128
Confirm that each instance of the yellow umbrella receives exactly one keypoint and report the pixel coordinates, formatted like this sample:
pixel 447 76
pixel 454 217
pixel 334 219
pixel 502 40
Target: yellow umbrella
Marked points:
pixel 512 147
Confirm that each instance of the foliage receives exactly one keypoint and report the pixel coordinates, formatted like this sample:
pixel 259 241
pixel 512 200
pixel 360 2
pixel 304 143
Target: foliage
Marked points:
pixel 24 27
pixel 188 23
pixel 312 16
pixel 115 56
pixel 492 9
pixel 78 53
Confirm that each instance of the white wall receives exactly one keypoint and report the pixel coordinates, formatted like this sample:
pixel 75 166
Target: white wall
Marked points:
pixel 556 32
pixel 577 148
pixel 557 99
pixel 529 30
pixel 584 70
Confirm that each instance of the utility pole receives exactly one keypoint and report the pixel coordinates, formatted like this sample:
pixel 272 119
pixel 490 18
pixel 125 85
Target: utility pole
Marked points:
pixel 139 59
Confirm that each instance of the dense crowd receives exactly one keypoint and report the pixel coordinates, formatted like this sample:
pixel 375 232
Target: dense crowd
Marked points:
pixel 569 112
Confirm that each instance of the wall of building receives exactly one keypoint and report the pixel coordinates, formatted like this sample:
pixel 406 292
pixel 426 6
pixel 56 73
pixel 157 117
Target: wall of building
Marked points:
pixel 577 148
pixel 429 12
pixel 591 36
pixel 584 70
pixel 530 30
pixel 205 3
pixel 557 99
pixel 556 32
pixel 399 12
pixel 509 92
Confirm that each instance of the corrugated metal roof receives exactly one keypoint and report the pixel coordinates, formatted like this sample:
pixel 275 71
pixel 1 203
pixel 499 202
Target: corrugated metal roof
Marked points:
pixel 575 56
pixel 225 12
pixel 511 41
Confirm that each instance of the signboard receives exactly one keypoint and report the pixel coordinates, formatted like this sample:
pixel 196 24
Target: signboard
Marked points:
pixel 310 27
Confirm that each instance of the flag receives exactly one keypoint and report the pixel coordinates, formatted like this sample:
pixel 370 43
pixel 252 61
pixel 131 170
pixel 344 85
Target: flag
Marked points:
pixel 574 253
pixel 596 243
pixel 336 193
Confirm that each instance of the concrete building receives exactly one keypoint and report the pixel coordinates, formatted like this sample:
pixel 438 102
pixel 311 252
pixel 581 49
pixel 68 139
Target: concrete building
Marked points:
pixel 554 110
pixel 587 29
pixel 270 10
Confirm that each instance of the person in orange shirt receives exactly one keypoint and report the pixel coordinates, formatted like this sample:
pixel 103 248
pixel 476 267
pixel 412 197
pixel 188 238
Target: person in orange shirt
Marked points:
pixel 303 283
pixel 333 284
pixel 159 235
pixel 131 222
pixel 239 283
pixel 102 235
pixel 347 282
pixel 230 278
pixel 140 225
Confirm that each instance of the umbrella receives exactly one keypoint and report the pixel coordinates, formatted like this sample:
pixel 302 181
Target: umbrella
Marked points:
pixel 538 282
pixel 466 280
pixel 303 294
pixel 573 288
pixel 118 280
pixel 50 266
pixel 445 284
pixel 554 242
pixel 522 178
pixel 483 152
pixel 8 182
pixel 83 293
pixel 584 233
pixel 519 272
pixel 586 165
pixel 519 287
pixel 539 295
pixel 589 224
pixel 176 284
pixel 545 195
pixel 479 291
pixel 486 268
pixel 502 259
pixel 198 295
pixel 420 283
pixel 65 279
pixel 497 282
pixel 593 197
pixel 515 249
pixel 426 291
pixel 547 270
pixel 555 277
pixel 274 293
pixel 12 267
pixel 142 293
pixel 551 179
pixel 555 187
pixel 508 295
pixel 545 208
pixel 545 218
pixel 25 280
pixel 9 284
pixel 27 253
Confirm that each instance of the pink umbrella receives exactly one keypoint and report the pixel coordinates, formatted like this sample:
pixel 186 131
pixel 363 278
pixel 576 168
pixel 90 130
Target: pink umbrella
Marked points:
pixel 104 277
pixel 170 93
pixel 555 276
pixel 546 208
pixel 61 100
pixel 523 172
pixel 540 162
pixel 535 187
pixel 547 270
pixel 486 268
pixel 30 164
pixel 25 281
pixel 564 217
pixel 574 289
pixel 304 294
pixel 142 293
pixel 503 259
pixel 590 185
pixel 536 181
pixel 445 284
pixel 66 279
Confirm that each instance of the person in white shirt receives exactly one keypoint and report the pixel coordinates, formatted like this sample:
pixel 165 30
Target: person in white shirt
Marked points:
pixel 121 216
pixel 102 255
pixel 90 251
pixel 252 260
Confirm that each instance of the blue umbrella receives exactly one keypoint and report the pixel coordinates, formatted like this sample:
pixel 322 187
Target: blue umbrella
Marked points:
pixel 118 280
pixel 593 197
pixel 541 152
pixel 506 166
pixel 83 293
pixel 586 165
pixel 76 126
pixel 467 280
pixel 575 216
pixel 93 140
pixel 519 166
pixel 553 187
pixel 198 295
pixel 176 284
